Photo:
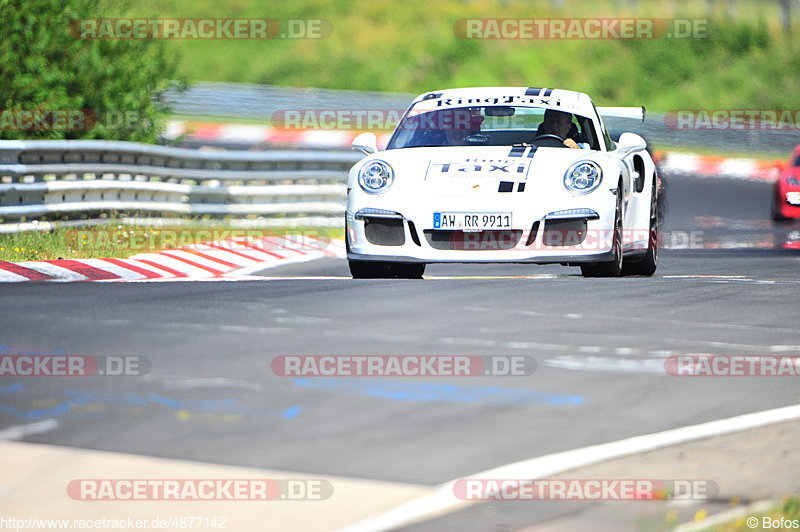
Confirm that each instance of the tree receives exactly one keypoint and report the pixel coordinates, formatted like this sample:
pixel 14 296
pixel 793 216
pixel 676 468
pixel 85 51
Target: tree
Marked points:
pixel 78 88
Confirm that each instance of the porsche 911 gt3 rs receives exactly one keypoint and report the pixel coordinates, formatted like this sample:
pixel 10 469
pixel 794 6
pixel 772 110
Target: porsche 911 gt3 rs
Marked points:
pixel 502 175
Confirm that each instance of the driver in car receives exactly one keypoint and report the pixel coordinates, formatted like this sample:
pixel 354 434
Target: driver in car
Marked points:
pixel 558 123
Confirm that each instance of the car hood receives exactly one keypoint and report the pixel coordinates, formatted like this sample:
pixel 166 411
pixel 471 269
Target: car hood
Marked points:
pixel 482 168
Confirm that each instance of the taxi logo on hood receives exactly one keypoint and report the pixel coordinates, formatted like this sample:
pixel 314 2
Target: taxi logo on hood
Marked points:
pixel 480 168
pixel 508 175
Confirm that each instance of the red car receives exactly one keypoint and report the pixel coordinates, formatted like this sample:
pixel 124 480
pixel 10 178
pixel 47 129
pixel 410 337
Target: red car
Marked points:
pixel 786 202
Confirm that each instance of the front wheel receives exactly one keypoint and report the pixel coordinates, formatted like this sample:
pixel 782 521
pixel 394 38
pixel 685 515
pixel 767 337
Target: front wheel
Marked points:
pixel 613 267
pixel 647 266
pixel 362 269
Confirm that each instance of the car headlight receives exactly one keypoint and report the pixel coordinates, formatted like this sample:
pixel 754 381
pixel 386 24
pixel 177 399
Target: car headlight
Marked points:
pixel 583 177
pixel 375 177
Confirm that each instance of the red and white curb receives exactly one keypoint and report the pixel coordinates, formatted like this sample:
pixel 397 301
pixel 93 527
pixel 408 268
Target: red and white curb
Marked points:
pixel 251 134
pixel 221 260
pixel 735 168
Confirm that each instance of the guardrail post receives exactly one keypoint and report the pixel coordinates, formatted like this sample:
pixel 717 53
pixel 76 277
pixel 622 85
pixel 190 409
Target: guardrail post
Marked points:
pixel 10 150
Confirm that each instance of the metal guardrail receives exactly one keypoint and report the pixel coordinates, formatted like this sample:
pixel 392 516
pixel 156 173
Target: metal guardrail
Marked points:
pixel 46 180
pixel 259 102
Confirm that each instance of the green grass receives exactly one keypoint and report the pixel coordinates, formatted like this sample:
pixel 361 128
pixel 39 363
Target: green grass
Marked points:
pixel 411 46
pixel 789 509
pixel 120 241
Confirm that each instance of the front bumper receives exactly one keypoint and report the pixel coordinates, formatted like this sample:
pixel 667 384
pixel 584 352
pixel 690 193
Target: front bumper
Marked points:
pixel 539 238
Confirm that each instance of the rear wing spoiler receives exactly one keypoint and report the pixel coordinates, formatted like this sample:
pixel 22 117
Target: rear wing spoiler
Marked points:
pixel 622 112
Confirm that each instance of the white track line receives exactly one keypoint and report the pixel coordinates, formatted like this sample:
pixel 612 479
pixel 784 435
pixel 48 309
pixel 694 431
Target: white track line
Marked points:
pixel 639 319
pixel 18 432
pixel 443 501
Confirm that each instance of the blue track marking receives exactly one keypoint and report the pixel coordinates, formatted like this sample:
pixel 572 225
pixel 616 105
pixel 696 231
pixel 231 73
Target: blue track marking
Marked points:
pixel 437 392
pixel 11 388
pixel 6 349
pixel 72 399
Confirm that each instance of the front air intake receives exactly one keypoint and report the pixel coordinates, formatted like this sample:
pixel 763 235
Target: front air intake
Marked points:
pixel 561 233
pixel 384 231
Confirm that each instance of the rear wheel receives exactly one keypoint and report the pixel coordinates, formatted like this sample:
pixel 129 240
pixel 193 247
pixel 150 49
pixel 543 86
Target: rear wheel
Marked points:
pixel 612 268
pixel 362 269
pixel 647 266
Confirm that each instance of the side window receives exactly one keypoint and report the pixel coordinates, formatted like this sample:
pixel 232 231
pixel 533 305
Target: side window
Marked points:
pixel 587 132
pixel 606 137
pixel 610 145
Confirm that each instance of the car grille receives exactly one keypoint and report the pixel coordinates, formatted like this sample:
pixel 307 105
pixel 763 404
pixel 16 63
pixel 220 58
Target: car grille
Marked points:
pixel 473 240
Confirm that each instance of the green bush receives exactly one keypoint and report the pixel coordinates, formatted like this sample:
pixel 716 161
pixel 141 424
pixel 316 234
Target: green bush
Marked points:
pixel 112 87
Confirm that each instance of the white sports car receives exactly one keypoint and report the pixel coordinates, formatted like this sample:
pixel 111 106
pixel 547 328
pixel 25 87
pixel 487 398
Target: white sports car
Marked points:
pixel 498 174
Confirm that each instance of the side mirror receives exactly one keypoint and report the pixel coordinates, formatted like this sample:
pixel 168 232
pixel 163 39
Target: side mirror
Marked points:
pixel 367 143
pixel 630 143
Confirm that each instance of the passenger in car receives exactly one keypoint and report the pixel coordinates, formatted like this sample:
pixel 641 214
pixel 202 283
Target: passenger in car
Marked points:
pixel 460 123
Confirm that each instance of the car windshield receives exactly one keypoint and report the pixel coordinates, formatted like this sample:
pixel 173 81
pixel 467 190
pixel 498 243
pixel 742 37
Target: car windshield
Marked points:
pixel 796 161
pixel 494 125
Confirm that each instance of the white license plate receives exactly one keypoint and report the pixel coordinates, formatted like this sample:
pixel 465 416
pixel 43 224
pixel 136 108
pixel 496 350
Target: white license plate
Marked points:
pixel 471 220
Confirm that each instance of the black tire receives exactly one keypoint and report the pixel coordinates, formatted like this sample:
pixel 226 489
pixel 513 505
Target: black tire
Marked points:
pixel 612 268
pixel 361 269
pixel 775 212
pixel 648 265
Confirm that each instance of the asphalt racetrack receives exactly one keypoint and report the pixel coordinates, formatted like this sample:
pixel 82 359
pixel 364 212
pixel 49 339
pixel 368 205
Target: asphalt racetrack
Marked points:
pixel 727 284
